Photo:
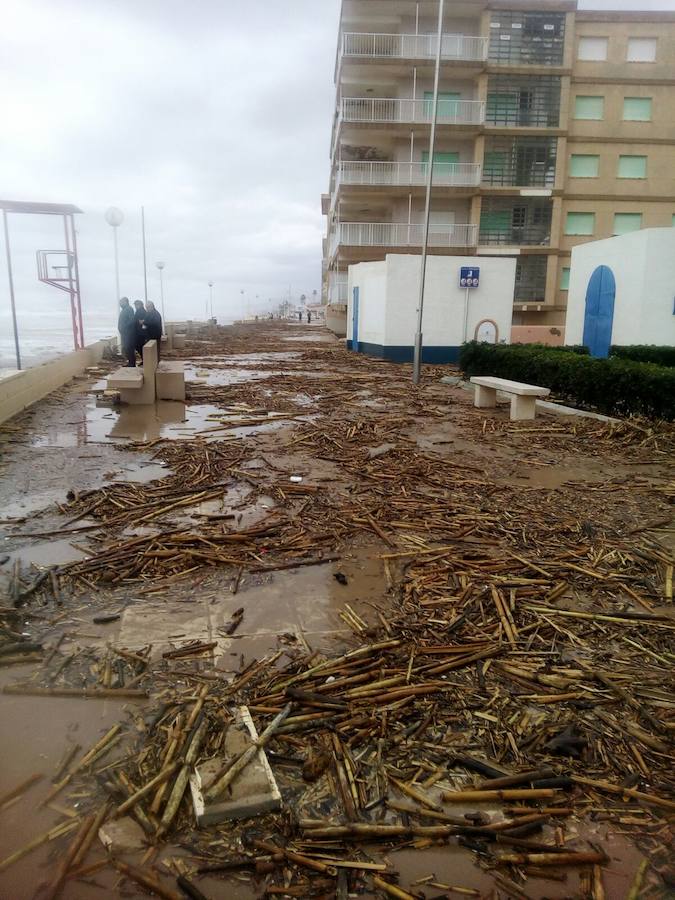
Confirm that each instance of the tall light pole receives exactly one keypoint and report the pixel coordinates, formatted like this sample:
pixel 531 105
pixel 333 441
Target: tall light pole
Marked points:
pixel 115 217
pixel 417 354
pixel 145 264
pixel 211 297
pixel 160 266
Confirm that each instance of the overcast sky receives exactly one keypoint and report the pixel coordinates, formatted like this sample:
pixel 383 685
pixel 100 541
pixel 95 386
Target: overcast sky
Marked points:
pixel 213 114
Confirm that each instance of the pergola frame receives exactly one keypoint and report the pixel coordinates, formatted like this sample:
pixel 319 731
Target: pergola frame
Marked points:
pixel 70 283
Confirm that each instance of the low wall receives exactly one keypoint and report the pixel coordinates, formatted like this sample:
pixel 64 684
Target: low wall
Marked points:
pixel 30 385
pixel 553 335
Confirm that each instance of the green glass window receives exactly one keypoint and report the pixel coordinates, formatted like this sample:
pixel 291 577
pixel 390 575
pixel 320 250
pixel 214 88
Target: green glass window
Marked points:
pixel 632 167
pixel 584 166
pixel 498 221
pixel 625 222
pixel 502 108
pixel 494 163
pixel 589 107
pixel 565 279
pixel 580 223
pixel 637 109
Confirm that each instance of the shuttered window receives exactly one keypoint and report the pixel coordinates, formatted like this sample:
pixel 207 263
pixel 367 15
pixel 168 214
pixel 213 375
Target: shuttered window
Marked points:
pixel 580 223
pixel 626 222
pixel 589 107
pixel 632 167
pixel 637 109
pixel 584 166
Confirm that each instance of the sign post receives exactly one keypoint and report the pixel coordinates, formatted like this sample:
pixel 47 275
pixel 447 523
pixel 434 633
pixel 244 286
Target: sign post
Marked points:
pixel 469 279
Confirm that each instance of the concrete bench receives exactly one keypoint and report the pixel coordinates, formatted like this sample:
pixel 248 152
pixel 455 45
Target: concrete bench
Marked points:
pixel 170 380
pixel 136 386
pixel 523 399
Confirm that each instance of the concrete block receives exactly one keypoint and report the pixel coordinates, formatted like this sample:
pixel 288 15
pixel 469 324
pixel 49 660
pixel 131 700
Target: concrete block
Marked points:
pixel 485 397
pixel 179 341
pixel 126 379
pixel 253 793
pixel 170 380
pixel 523 408
pixel 122 835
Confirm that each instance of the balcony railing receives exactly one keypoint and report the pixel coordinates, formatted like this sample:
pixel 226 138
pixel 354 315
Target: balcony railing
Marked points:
pixel 400 234
pixel 409 173
pixel 414 46
pixel 517 236
pixel 390 109
pixel 337 290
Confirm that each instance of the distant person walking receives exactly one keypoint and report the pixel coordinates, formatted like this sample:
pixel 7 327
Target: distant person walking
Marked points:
pixel 153 325
pixel 141 330
pixel 300 315
pixel 309 317
pixel 126 325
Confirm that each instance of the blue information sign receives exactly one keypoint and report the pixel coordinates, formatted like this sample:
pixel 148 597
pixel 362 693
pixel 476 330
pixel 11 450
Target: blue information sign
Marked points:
pixel 468 277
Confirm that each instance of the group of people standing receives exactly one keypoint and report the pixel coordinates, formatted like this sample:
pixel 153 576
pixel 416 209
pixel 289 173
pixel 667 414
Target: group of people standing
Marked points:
pixel 138 326
pixel 309 316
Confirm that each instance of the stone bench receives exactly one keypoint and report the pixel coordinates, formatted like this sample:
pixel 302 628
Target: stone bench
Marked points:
pixel 170 380
pixel 136 385
pixel 523 399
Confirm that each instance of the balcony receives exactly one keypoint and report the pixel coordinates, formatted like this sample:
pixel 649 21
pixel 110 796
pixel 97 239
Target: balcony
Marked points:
pixel 386 110
pixel 401 234
pixel 408 174
pixel 337 289
pixel 413 46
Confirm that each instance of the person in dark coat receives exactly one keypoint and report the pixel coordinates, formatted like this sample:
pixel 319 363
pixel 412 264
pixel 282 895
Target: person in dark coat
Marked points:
pixel 153 325
pixel 126 325
pixel 141 330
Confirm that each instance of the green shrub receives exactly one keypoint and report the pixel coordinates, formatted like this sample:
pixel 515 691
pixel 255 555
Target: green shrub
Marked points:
pixel 647 353
pixel 612 386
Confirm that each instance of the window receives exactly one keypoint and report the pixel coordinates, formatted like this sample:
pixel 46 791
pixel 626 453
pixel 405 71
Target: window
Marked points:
pixel 527 38
pixel 589 107
pixel 580 223
pixel 565 279
pixel 632 167
pixel 523 101
pixel 582 166
pixel 625 222
pixel 593 49
pixel 641 50
pixel 637 109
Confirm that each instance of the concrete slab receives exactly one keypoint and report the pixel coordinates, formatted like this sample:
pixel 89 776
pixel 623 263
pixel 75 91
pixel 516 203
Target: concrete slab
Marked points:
pixel 122 835
pixel 170 380
pixel 253 793
pixel 125 379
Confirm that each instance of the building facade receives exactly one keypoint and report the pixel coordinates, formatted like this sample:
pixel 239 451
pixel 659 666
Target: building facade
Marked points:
pixel 554 127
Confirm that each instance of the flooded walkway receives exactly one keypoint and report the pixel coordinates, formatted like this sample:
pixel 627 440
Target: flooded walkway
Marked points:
pixel 447 599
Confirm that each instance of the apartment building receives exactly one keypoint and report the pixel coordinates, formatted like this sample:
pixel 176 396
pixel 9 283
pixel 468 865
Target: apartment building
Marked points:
pixel 555 126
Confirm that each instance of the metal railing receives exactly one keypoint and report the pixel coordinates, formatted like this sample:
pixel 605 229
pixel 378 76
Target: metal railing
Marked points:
pixel 401 234
pixel 337 290
pixel 517 236
pixel 414 46
pixel 408 173
pixel 391 109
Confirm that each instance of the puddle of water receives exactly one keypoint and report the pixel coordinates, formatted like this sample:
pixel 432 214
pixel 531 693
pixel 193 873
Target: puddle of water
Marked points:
pixel 47 553
pixel 141 473
pixel 165 419
pixel 42 730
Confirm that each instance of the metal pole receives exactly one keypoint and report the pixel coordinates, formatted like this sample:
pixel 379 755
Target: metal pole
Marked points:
pixel 117 268
pixel 145 266
pixel 77 281
pixel 73 311
pixel 466 314
pixel 417 355
pixel 161 294
pixel 11 290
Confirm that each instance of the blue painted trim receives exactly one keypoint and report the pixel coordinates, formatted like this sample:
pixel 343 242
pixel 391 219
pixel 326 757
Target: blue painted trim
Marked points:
pixel 349 344
pixel 433 355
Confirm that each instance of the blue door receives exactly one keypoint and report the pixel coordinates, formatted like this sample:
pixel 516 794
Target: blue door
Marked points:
pixel 355 319
pixel 599 315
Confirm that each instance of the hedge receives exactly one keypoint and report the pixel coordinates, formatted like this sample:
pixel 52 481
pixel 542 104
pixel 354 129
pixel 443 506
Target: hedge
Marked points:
pixel 612 386
pixel 646 353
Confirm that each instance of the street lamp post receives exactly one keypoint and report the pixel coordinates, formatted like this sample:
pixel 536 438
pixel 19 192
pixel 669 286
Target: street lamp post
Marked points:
pixel 115 217
pixel 211 297
pixel 417 353
pixel 160 266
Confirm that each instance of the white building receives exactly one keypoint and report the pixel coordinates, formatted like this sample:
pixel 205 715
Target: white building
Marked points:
pixel 383 296
pixel 622 291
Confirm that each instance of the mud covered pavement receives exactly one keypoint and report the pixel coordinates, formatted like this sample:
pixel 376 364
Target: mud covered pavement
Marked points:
pixel 471 620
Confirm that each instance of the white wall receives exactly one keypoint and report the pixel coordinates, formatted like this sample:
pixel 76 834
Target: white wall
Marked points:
pixel 643 263
pixel 388 293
